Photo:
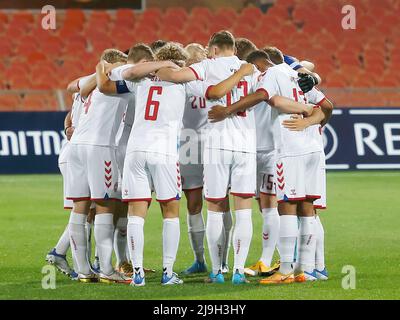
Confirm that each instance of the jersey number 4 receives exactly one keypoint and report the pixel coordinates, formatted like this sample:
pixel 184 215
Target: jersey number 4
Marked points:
pixel 152 105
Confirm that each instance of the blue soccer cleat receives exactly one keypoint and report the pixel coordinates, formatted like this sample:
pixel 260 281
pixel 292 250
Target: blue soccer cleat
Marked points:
pixel 74 276
pixel 138 279
pixel 59 261
pixel 239 278
pixel 172 280
pixel 196 267
pixel 321 275
pixel 216 278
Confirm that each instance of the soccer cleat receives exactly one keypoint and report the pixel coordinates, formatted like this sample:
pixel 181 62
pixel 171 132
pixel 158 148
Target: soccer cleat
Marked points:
pixel 88 278
pixel 215 278
pixel 125 268
pixel 138 280
pixel 172 280
pixel 225 268
pixel 239 278
pixel 321 275
pixel 305 276
pixel 278 278
pixel 96 265
pixel 59 261
pixel 114 277
pixel 260 269
pixel 196 267
pixel 73 275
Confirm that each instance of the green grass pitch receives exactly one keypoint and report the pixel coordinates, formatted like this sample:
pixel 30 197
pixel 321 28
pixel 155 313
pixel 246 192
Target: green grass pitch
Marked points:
pixel 361 224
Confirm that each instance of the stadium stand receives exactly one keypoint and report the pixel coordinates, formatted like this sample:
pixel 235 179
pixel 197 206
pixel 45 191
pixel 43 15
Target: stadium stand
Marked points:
pixel 354 60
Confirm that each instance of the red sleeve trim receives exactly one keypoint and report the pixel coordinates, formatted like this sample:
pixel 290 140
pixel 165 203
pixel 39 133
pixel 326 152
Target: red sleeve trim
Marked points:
pixel 265 91
pixel 319 103
pixel 195 73
pixel 207 92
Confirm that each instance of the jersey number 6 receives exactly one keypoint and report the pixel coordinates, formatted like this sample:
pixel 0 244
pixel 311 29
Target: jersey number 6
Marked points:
pixel 152 105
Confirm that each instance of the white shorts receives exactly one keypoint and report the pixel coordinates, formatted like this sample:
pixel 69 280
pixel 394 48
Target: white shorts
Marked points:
pixel 321 203
pixel 145 171
pixel 266 173
pixel 92 173
pixel 224 168
pixel 297 177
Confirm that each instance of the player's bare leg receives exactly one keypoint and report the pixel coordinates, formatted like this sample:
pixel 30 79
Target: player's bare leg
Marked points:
pixel 242 234
pixel 270 235
pixel 286 243
pixel 78 240
pixel 104 236
pixel 228 223
pixel 196 229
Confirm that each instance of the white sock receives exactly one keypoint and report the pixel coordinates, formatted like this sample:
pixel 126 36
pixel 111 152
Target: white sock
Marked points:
pixel 78 241
pixel 103 233
pixel 271 224
pixel 228 223
pixel 242 238
pixel 196 231
pixel 171 236
pixel 306 247
pixel 319 250
pixel 62 245
pixel 120 240
pixel 136 241
pixel 215 238
pixel 287 242
pixel 88 233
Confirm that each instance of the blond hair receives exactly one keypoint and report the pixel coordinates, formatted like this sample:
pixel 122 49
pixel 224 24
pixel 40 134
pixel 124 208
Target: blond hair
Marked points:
pixel 113 56
pixel 196 53
pixel 173 52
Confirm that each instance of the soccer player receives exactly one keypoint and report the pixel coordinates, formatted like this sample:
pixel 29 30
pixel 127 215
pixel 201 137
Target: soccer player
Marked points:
pixel 265 177
pixel 232 155
pixel 296 169
pixel 92 176
pixel 244 47
pixel 194 123
pixel 152 163
pixel 297 123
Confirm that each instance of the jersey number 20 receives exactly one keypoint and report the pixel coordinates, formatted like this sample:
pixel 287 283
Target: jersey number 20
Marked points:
pixel 152 105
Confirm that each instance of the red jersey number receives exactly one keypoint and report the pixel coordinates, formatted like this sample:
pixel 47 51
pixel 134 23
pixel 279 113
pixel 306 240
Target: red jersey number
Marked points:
pixel 152 105
pixel 296 95
pixel 241 85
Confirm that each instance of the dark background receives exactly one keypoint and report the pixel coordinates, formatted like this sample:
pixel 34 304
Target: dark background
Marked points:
pixel 63 4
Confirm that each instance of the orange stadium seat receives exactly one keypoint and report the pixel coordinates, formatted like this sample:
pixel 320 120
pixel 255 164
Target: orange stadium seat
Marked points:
pixel 9 102
pixel 39 102
pixel 125 17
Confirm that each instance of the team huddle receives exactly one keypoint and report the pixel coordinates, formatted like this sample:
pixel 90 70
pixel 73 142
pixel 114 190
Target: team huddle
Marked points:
pixel 226 119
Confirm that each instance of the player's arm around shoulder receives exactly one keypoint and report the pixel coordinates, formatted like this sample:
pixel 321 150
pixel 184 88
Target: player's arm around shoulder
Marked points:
pixel 224 87
pixel 141 70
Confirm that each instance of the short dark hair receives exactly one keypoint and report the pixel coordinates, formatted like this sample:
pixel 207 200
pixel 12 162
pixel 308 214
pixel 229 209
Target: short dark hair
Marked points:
pixel 139 52
pixel 258 54
pixel 275 55
pixel 158 44
pixel 222 40
pixel 244 47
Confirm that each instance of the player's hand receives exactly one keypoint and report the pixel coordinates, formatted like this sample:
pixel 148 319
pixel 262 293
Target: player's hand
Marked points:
pixel 246 69
pixel 295 123
pixel 108 67
pixel 218 113
pixel 100 67
pixel 307 82
pixel 69 132
pixel 308 110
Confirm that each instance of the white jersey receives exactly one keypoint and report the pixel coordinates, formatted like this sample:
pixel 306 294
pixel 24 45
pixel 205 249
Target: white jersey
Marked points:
pixel 195 114
pixel 315 132
pixel 264 127
pixel 129 114
pixel 76 109
pixel 236 133
pixel 159 109
pixel 282 80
